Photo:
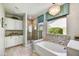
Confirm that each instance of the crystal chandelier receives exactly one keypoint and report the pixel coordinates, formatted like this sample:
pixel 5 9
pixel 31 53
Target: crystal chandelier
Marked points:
pixel 54 9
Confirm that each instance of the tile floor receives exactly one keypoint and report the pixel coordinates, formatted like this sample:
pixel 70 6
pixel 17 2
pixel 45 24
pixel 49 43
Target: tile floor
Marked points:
pixel 18 51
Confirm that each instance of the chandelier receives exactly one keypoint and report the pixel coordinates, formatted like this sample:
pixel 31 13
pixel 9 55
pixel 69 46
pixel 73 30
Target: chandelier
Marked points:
pixel 54 9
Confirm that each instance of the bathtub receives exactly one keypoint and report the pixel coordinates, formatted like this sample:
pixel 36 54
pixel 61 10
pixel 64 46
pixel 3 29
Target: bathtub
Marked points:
pixel 46 48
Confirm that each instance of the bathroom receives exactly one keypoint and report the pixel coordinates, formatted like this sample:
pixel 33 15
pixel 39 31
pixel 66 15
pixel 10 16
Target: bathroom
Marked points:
pixel 48 30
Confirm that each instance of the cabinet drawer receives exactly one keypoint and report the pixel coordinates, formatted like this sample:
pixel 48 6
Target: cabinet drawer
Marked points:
pixel 19 39
pixel 9 24
pixel 13 41
pixel 9 41
pixel 18 25
pixel 13 24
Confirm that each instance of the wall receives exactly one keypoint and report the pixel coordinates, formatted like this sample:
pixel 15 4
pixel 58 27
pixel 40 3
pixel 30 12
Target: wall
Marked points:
pixel 1 32
pixel 73 20
pixel 1 13
pixel 25 27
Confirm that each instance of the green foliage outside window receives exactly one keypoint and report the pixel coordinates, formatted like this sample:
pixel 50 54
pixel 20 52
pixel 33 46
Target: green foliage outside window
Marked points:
pixel 55 30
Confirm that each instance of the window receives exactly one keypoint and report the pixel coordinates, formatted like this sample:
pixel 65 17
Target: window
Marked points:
pixel 40 30
pixel 57 26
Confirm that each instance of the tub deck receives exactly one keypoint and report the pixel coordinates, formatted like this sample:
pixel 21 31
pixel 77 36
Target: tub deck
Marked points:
pixel 46 48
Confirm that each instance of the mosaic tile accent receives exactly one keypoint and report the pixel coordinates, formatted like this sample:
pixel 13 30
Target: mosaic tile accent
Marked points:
pixel 60 39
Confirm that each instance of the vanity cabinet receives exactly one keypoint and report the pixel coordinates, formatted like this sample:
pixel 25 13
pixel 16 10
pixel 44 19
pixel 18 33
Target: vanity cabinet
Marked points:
pixel 9 41
pixel 9 24
pixel 13 41
pixel 18 40
pixel 13 24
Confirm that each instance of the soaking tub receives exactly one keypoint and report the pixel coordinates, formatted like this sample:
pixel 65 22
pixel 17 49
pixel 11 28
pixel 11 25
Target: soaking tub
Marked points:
pixel 46 48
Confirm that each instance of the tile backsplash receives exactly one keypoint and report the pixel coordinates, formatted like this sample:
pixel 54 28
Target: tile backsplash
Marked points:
pixel 60 39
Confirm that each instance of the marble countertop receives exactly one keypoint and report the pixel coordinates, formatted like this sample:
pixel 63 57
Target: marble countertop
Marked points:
pixel 73 44
pixel 13 33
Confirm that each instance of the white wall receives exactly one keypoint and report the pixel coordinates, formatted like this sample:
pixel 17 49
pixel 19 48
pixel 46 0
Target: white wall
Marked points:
pixel 1 13
pixel 73 20
pixel 1 32
pixel 25 30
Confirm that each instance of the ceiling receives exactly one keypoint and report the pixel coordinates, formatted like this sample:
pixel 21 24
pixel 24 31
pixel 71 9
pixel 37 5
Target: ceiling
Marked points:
pixel 29 8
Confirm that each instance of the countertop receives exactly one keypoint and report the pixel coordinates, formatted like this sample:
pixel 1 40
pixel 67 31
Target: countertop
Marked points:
pixel 73 44
pixel 13 33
